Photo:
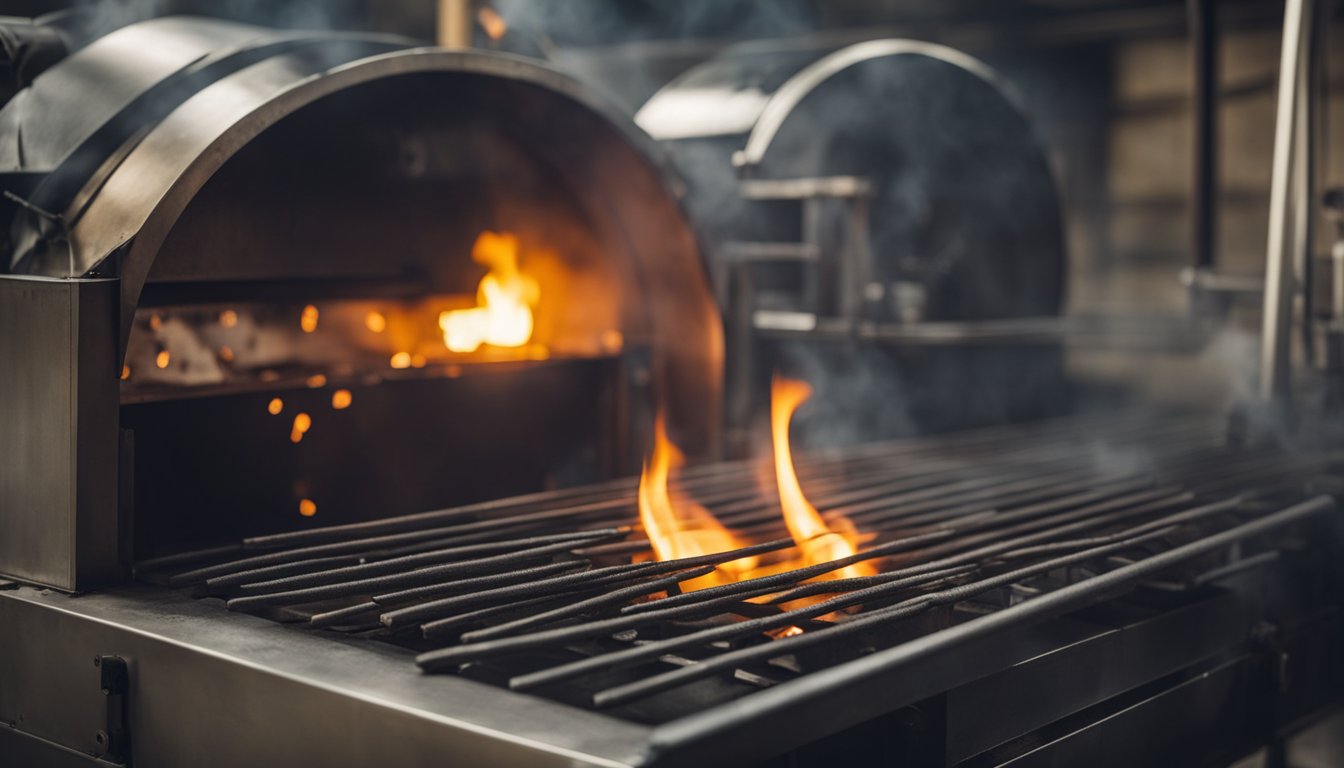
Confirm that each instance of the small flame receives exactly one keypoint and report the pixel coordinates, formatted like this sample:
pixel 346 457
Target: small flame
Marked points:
pixel 125 372
pixel 818 541
pixel 678 527
pixel 228 318
pixel 163 358
pixel 375 322
pixel 275 406
pixel 494 25
pixel 308 320
pixel 317 381
pixel 307 507
pixel 401 360
pixel 505 297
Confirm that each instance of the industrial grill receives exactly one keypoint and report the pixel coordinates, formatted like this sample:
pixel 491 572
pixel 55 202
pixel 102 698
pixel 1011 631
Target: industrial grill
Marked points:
pixel 1145 545
pixel 275 294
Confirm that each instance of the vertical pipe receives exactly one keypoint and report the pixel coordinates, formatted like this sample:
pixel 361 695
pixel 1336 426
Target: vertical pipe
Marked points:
pixel 741 364
pixel 1276 333
pixel 1203 20
pixel 814 213
pixel 1304 180
pixel 455 24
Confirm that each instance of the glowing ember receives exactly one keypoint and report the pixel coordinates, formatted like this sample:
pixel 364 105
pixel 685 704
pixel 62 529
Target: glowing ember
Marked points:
pixel 302 423
pixel 340 399
pixel 125 372
pixel 163 359
pixel 275 406
pixel 307 507
pixel 678 527
pixel 228 318
pixel 155 321
pixel 493 24
pixel 317 381
pixel 308 320
pixel 505 297
pixel 401 360
pixel 375 322
pixel 818 542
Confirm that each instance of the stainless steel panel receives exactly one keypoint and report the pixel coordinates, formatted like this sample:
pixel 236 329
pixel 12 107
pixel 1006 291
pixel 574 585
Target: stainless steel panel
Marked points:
pixel 210 688
pixel 58 423
pixel 45 122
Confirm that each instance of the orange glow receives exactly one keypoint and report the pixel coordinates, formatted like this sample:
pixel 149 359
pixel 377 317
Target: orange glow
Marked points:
pixel 302 423
pixel 163 358
pixel 307 507
pixel 817 541
pixel 226 354
pixel 418 361
pixel 308 320
pixel 155 322
pixel 505 297
pixel 375 322
pixel 494 25
pixel 340 399
pixel 401 360
pixel 125 372
pixel 317 381
pixel 228 318
pixel 678 527
pixel 275 406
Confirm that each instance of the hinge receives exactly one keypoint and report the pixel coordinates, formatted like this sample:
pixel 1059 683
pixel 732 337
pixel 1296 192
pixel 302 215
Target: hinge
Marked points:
pixel 114 740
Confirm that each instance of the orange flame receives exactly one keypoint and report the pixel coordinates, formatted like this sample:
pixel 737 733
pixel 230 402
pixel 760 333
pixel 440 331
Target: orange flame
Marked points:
pixel 678 527
pixel 818 541
pixel 505 297
pixel 494 25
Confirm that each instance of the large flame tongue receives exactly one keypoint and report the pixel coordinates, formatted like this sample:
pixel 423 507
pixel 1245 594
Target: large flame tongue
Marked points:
pixel 678 527
pixel 818 542
pixel 502 316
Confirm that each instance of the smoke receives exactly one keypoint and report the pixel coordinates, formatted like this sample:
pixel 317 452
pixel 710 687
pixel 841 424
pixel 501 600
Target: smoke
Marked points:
pixel 93 18
pixel 580 23
pixel 591 39
pixel 858 396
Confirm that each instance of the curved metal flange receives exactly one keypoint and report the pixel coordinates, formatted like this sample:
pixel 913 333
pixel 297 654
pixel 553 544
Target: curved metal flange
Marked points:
pixel 783 102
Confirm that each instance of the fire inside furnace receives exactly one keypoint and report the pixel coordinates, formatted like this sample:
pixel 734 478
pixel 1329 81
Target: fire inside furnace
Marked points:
pixel 505 299
pixel 678 527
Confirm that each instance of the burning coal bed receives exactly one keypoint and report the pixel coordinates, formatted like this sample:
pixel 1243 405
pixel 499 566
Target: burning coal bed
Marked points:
pixel 716 580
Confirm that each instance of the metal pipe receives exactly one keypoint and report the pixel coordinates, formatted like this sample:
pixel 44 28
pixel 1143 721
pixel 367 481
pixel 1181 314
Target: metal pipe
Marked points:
pixel 455 24
pixel 1276 333
pixel 1204 39
pixel 1304 180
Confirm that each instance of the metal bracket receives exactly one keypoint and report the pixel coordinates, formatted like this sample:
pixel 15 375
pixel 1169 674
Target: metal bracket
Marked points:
pixel 114 741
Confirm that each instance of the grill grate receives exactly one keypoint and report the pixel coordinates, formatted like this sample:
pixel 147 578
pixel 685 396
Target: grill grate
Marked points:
pixel 540 592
